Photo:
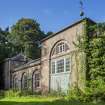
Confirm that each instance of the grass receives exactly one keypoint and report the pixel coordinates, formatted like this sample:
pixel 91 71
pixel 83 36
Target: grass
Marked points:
pixel 41 101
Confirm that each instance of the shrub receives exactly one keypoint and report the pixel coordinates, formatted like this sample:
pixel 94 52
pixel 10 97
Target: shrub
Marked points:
pixel 17 93
pixel 74 93
pixel 1 93
pixel 30 93
pixel 12 93
pixel 56 93
pixel 95 92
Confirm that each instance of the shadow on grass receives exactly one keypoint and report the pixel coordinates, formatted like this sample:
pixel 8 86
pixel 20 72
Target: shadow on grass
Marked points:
pixel 57 102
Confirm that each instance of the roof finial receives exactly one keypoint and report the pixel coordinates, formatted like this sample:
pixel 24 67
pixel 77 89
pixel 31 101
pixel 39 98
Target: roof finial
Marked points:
pixel 81 9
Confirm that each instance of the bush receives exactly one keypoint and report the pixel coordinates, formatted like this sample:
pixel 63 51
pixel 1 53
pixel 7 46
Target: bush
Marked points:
pixel 1 93
pixel 56 93
pixel 30 93
pixel 95 92
pixel 12 93
pixel 74 93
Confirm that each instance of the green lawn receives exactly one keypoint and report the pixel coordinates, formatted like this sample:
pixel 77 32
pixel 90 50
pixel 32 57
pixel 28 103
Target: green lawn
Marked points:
pixel 41 101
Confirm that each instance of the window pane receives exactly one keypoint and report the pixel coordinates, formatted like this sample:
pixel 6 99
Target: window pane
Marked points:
pixel 60 65
pixel 25 81
pixel 29 83
pixel 67 64
pixel 15 83
pixel 53 67
pixel 37 84
pixel 57 49
pixel 60 47
pixel 37 80
pixel 37 76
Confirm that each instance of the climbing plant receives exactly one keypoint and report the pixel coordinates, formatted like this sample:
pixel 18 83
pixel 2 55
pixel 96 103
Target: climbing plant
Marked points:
pixel 92 43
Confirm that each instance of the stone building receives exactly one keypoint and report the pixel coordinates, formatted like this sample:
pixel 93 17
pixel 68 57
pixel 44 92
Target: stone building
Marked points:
pixel 60 67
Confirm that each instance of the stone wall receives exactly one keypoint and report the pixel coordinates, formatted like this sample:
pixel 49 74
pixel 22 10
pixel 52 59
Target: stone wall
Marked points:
pixel 70 36
pixel 28 68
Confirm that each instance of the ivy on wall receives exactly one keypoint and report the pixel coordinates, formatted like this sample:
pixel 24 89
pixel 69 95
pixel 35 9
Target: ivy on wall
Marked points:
pixel 93 44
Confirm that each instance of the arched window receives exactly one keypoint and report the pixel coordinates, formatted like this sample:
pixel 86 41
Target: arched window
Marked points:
pixel 60 66
pixel 15 82
pixel 36 79
pixel 24 81
pixel 60 63
pixel 60 47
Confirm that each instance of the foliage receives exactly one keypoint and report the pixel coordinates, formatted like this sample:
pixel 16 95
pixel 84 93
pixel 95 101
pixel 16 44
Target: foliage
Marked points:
pixel 12 93
pixel 42 101
pixel 5 46
pixel 56 94
pixel 93 44
pixel 74 93
pixel 25 35
pixel 18 93
pixel 30 93
pixel 95 93
pixel 49 33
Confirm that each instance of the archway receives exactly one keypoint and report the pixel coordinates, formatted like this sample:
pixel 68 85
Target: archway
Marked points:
pixel 35 80
pixel 24 81
pixel 60 66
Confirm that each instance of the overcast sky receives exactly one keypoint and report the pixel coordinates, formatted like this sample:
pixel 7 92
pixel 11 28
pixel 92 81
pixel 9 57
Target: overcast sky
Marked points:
pixel 52 15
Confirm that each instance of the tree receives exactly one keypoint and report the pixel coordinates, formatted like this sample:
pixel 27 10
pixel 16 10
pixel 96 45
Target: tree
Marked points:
pixel 49 33
pixel 5 46
pixel 24 35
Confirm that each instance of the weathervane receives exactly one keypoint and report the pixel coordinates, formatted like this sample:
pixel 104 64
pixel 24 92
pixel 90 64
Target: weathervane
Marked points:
pixel 81 9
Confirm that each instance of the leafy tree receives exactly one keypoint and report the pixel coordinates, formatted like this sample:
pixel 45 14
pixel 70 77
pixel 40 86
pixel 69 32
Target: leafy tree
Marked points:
pixel 24 35
pixel 49 33
pixel 5 46
pixel 93 44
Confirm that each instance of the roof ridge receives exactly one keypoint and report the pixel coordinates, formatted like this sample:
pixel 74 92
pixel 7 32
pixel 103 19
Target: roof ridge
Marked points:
pixel 65 28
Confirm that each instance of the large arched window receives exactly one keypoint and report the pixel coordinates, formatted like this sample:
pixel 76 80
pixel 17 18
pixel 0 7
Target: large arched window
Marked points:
pixel 24 81
pixel 60 66
pixel 36 79
pixel 60 63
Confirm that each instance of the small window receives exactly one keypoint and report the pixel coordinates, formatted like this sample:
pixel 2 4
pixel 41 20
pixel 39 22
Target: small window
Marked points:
pixel 67 64
pixel 37 80
pixel 15 83
pixel 25 81
pixel 60 66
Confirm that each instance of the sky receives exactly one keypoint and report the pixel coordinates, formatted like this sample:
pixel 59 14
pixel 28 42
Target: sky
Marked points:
pixel 52 15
